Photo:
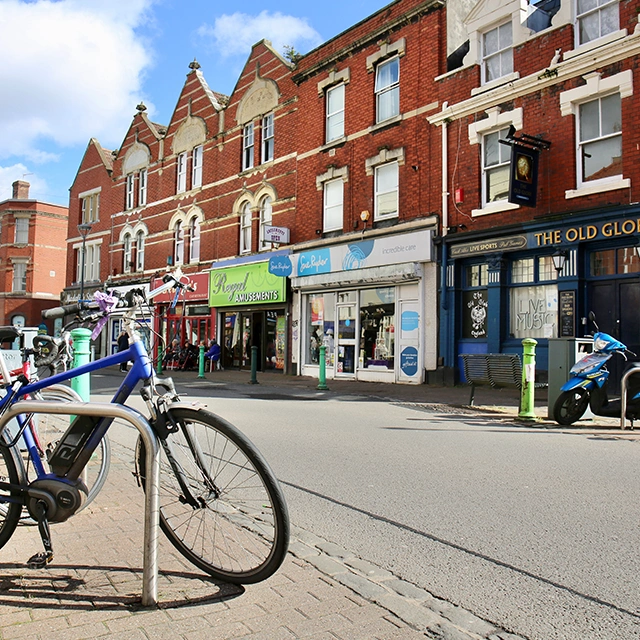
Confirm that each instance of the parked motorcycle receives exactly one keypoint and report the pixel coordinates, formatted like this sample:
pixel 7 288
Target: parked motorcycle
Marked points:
pixel 587 386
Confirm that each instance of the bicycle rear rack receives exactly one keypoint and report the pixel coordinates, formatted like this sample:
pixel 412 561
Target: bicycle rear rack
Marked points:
pixel 151 518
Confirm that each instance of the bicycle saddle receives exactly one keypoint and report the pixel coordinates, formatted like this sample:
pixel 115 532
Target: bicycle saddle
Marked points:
pixel 9 333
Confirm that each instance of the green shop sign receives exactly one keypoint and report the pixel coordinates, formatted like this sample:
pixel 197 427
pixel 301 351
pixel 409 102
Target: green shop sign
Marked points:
pixel 245 284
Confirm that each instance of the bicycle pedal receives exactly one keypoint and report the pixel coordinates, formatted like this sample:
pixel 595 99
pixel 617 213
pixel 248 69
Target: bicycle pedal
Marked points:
pixel 40 560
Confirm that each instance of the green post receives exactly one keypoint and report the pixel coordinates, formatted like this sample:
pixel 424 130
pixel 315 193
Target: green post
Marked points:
pixel 527 396
pixel 322 375
pixel 160 358
pixel 201 362
pixel 254 365
pixel 81 354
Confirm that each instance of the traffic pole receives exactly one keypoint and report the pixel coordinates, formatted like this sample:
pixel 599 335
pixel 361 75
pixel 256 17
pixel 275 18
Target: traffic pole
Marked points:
pixel 254 365
pixel 201 362
pixel 81 355
pixel 527 394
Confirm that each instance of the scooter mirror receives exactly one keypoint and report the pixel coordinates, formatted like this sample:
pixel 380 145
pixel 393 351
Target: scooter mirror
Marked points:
pixel 592 317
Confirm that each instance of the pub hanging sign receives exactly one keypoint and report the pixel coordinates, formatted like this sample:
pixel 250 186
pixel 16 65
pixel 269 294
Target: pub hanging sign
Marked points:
pixel 523 176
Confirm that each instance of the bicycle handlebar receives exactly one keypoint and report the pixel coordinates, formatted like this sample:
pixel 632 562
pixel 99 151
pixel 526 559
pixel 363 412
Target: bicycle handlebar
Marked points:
pixel 67 309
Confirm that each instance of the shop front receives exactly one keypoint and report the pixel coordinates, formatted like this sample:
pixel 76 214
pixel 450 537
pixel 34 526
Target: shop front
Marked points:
pixel 541 282
pixel 251 303
pixel 186 318
pixel 371 304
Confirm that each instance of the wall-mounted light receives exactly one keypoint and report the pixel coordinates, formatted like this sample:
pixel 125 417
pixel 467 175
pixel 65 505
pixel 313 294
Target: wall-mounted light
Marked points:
pixel 364 216
pixel 559 258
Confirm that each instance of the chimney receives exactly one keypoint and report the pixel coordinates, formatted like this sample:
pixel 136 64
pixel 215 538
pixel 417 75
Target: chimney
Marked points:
pixel 20 190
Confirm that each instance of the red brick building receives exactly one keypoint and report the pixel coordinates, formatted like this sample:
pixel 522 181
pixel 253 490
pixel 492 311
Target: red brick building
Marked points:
pixel 32 256
pixel 358 196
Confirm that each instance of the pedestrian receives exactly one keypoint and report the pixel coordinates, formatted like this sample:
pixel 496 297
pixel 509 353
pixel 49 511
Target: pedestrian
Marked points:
pixel 123 345
pixel 213 353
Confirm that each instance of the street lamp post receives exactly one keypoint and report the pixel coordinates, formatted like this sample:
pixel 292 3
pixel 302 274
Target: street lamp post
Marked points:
pixel 84 229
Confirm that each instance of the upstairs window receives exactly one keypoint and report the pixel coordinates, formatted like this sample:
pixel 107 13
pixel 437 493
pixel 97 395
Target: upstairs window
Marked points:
pixel 386 191
pixel 90 208
pixel 196 167
pixel 600 139
pixel 178 243
pixel 245 228
pixel 266 217
pixel 247 146
pixel 126 250
pixel 142 187
pixel 140 251
pixel 495 167
pixel 333 205
pixel 597 18
pixel 22 231
pixel 267 138
pixel 387 89
pixel 181 185
pixel 335 113
pixel 194 240
pixel 497 53
pixel 130 192
pixel 19 284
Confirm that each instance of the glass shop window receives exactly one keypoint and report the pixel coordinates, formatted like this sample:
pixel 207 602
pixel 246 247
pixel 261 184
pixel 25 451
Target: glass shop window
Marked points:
pixel 320 327
pixel 377 328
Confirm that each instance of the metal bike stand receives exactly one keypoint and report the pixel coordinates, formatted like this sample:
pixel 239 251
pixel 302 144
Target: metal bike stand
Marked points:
pixel 151 517
pixel 623 395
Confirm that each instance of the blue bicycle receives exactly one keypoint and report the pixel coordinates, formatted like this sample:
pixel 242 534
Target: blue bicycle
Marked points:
pixel 220 504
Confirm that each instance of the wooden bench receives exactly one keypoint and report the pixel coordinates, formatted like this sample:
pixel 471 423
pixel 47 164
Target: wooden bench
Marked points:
pixel 495 369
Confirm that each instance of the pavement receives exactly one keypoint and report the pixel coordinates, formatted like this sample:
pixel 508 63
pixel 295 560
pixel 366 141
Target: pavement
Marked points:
pixel 93 587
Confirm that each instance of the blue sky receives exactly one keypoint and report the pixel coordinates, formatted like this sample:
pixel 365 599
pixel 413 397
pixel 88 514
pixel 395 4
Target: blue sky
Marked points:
pixel 71 70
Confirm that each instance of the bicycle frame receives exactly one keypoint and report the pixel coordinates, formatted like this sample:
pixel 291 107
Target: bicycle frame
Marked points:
pixel 141 371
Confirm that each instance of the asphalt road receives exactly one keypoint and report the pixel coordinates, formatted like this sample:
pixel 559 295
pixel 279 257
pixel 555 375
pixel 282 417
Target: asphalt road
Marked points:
pixel 536 530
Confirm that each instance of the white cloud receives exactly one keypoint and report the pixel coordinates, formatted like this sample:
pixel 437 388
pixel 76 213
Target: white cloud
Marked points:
pixel 72 70
pixel 236 33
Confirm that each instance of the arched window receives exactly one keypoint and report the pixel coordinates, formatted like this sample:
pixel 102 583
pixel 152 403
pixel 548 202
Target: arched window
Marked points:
pixel 126 260
pixel 194 240
pixel 179 243
pixel 140 250
pixel 245 228
pixel 266 215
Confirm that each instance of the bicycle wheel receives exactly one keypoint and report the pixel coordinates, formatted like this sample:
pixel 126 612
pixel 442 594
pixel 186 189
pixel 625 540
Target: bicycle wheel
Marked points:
pixel 50 427
pixel 10 471
pixel 239 530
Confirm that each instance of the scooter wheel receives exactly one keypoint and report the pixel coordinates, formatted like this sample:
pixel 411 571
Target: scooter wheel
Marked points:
pixel 570 406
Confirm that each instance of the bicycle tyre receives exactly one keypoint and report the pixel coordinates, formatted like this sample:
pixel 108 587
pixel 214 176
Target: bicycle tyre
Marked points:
pixel 52 426
pixel 240 536
pixel 11 470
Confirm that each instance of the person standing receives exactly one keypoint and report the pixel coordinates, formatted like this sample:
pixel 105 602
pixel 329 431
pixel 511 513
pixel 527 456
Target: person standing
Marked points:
pixel 123 345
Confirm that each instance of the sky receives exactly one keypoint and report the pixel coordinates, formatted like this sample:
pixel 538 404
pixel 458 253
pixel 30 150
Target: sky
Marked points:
pixel 72 70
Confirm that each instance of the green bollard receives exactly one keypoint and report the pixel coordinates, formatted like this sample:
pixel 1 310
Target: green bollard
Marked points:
pixel 81 353
pixel 160 358
pixel 201 362
pixel 527 396
pixel 254 365
pixel 322 375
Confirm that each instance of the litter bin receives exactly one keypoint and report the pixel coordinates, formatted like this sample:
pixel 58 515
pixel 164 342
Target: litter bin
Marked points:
pixel 563 354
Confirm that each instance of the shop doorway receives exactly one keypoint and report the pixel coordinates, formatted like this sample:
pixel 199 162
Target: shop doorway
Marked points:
pixel 242 330
pixel 616 304
pixel 346 340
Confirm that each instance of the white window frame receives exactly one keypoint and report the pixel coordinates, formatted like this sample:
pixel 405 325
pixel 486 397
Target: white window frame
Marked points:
pixel 266 220
pixel 126 253
pixel 90 206
pixel 140 250
pixel 178 243
pixel 268 138
pixel 379 192
pixel 503 162
pixel 196 167
pixel 503 53
pixel 248 139
pixel 603 5
pixel 130 192
pixel 194 239
pixel 21 232
pixel 334 119
pixel 91 261
pixel 245 227
pixel 142 187
pixel 181 162
pixel 333 205
pixel 19 279
pixel 595 87
pixel 387 91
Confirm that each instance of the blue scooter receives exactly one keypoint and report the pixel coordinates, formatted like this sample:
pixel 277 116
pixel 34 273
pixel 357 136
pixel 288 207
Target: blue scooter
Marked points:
pixel 587 386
